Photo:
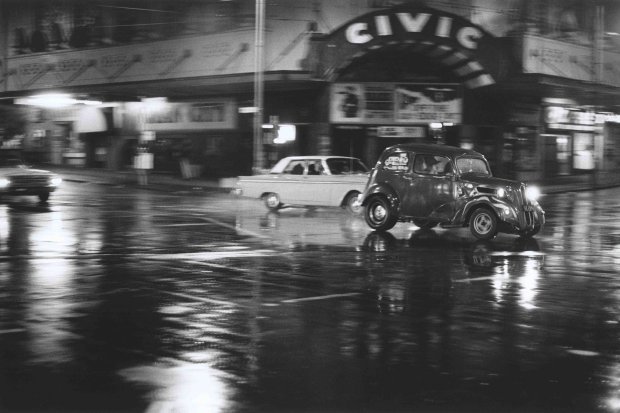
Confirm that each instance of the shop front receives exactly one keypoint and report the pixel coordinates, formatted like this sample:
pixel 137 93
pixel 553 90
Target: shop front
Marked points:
pixel 198 138
pixel 406 74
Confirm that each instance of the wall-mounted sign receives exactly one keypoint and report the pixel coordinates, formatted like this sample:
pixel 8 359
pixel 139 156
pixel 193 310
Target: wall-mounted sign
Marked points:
pixel 212 114
pixel 557 58
pixel 428 103
pixel 396 103
pixel 401 132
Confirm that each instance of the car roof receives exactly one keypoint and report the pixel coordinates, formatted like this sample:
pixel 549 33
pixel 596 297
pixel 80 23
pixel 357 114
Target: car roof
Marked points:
pixel 434 148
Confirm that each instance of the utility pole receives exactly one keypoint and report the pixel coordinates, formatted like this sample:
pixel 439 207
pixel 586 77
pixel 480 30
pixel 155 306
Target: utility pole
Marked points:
pixel 259 80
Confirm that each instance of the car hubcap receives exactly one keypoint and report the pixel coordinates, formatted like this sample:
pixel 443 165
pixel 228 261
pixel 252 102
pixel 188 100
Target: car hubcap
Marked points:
pixel 379 213
pixel 483 223
pixel 355 204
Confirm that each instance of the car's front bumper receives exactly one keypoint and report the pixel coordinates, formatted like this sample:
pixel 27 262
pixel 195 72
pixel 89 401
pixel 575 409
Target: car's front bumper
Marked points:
pixel 27 190
pixel 519 219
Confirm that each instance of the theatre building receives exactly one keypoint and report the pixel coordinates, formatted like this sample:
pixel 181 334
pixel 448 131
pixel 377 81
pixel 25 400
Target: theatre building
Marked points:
pixel 229 86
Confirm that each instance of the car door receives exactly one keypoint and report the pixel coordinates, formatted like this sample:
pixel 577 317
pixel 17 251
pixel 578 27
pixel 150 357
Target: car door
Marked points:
pixel 293 182
pixel 395 171
pixel 430 187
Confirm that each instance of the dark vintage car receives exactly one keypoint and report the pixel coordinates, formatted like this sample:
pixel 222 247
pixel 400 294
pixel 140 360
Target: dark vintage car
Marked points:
pixel 16 178
pixel 331 181
pixel 431 185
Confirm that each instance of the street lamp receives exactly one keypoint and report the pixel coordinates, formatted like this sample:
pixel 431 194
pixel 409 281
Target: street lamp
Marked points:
pixel 259 78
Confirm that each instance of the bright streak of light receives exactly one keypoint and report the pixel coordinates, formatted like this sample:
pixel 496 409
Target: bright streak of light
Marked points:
pixel 529 285
pixel 52 239
pixel 500 280
pixel 50 288
pixel 186 387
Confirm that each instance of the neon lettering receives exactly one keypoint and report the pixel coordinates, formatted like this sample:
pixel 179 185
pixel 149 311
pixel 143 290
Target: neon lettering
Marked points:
pixel 383 25
pixel 468 37
pixel 413 25
pixel 354 33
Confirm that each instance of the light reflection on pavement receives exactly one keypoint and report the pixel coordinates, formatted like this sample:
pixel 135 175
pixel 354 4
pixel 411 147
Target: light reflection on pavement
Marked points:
pixel 190 303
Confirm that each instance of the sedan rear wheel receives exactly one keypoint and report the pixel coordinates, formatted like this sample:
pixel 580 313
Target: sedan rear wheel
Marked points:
pixel 379 215
pixel 272 201
pixel 483 224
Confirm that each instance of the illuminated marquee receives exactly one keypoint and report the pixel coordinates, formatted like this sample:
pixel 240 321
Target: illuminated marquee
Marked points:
pixel 440 26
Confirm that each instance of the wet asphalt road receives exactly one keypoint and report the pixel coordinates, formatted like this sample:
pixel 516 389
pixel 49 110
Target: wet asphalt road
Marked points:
pixel 114 299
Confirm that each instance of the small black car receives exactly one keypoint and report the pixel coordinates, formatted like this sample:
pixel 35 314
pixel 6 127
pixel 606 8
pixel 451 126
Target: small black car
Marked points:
pixel 431 185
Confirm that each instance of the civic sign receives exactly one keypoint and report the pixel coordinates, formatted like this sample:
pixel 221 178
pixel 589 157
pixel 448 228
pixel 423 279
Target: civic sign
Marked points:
pixel 474 56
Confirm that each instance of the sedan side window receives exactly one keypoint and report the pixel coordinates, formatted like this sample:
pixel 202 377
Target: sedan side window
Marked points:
pixel 294 168
pixel 315 168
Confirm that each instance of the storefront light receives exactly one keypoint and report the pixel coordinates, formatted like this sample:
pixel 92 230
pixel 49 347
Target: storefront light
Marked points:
pixel 55 100
pixel 286 132
pixel 152 105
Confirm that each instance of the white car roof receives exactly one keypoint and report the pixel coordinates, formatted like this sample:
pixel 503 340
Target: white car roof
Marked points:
pixel 279 166
pixel 315 157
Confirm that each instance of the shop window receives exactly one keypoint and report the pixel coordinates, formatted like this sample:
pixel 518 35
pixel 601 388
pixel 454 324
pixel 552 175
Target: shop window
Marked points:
pixel 583 151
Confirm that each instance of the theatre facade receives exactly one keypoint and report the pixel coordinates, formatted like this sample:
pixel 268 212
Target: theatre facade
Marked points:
pixel 538 98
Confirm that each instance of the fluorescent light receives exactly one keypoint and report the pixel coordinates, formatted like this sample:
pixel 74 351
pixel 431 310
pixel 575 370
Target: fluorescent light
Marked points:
pixel 54 100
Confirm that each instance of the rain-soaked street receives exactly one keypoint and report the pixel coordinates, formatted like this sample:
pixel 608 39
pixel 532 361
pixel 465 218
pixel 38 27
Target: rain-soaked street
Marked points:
pixel 116 299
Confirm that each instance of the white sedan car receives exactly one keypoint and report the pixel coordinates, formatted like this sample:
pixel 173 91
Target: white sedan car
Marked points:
pixel 309 181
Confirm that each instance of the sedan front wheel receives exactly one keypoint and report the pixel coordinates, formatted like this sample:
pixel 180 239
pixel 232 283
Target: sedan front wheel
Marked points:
pixel 272 201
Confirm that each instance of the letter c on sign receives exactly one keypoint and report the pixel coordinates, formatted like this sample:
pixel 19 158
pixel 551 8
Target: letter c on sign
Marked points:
pixel 468 37
pixel 355 35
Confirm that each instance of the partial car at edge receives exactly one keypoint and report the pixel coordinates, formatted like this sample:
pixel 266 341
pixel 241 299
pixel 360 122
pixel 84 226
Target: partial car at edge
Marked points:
pixel 16 178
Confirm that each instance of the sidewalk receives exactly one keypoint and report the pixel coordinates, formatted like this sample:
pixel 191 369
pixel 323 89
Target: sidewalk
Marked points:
pixel 170 182
pixel 156 181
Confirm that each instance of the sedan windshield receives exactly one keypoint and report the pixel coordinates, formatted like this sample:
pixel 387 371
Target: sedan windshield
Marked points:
pixel 341 166
pixel 467 165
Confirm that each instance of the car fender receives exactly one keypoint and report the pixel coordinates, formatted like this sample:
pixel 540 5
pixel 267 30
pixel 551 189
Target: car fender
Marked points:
pixel 492 203
pixel 383 190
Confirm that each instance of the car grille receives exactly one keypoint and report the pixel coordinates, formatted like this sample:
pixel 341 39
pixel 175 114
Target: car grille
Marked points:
pixel 526 217
pixel 29 181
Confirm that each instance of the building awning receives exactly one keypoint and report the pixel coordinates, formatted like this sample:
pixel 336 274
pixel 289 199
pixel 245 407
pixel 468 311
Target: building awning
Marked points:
pixel 90 119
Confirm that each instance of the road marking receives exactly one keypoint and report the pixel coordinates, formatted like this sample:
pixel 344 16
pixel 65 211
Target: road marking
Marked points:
pixel 209 255
pixel 190 224
pixel 12 330
pixel 466 280
pixel 204 300
pixel 320 297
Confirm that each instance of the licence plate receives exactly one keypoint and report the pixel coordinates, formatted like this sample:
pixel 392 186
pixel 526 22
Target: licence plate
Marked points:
pixel 528 208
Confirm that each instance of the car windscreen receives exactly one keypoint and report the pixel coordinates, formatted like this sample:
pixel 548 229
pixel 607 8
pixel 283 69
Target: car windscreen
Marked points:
pixel 467 165
pixel 341 166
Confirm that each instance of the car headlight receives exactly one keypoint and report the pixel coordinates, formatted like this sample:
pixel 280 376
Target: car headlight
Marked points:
pixel 500 192
pixel 532 193
pixel 4 182
pixel 55 181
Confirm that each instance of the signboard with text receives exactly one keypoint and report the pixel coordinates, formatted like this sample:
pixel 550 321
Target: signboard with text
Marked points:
pixel 212 114
pixel 395 103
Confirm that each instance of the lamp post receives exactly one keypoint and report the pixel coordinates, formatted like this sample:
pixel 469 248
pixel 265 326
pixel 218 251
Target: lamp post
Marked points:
pixel 259 77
